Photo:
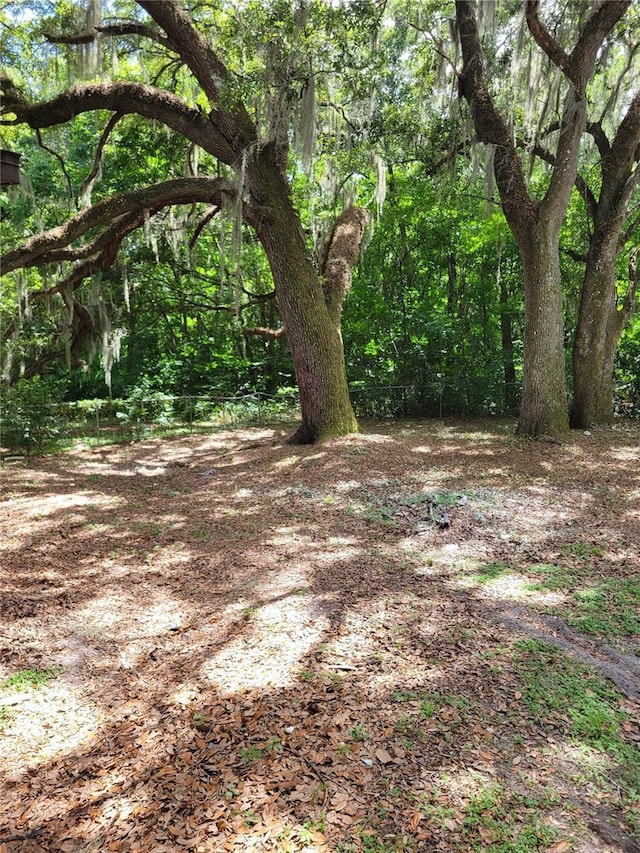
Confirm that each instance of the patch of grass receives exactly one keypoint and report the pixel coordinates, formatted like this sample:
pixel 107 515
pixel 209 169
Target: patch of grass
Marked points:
pixel 505 821
pixel 490 572
pixel 5 716
pixel 359 732
pixel 404 695
pixel 605 606
pixel 31 678
pixel 608 608
pixel 566 695
pixel 202 535
pixel 366 839
pixel 553 577
pixel 584 550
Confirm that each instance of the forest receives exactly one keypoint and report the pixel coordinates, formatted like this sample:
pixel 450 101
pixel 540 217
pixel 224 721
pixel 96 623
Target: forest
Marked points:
pixel 381 207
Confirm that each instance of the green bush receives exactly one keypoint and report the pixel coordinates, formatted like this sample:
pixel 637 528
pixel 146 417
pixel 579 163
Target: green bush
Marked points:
pixel 30 415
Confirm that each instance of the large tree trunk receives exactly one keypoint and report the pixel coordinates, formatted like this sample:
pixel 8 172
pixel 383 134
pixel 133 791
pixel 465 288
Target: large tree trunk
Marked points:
pixel 311 322
pixel 600 320
pixel 544 401
pixel 595 341
pixel 600 324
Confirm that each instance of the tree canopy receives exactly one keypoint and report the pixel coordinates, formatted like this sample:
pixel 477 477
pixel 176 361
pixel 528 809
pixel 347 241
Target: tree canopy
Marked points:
pixel 199 183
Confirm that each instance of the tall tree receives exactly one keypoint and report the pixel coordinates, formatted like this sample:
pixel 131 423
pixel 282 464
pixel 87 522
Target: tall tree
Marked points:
pixel 601 318
pixel 536 222
pixel 310 297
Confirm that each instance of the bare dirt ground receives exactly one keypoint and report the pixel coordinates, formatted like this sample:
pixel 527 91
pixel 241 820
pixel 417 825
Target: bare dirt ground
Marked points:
pixel 264 647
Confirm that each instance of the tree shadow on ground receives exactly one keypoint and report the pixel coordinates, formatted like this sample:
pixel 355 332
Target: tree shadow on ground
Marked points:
pixel 269 646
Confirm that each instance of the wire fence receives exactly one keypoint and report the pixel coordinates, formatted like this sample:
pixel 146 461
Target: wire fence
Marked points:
pixel 28 426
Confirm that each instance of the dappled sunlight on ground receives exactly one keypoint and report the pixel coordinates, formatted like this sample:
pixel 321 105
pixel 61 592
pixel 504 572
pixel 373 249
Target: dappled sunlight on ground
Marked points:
pixel 510 587
pixel 261 647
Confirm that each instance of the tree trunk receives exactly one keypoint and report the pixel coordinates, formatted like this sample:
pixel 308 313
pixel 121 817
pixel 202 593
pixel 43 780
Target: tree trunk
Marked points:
pixel 312 329
pixel 600 324
pixel 600 320
pixel 595 342
pixel 544 399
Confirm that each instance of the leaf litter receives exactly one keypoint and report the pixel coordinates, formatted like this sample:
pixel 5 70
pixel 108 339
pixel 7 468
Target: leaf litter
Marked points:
pixel 265 648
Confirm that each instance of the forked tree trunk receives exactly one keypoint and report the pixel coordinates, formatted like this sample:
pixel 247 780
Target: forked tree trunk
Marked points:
pixel 601 320
pixel 544 409
pixel 536 224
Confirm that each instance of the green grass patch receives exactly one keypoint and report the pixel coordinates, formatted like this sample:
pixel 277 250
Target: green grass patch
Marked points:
pixel 560 693
pixel 30 678
pixel 553 577
pixel 489 573
pixel 596 604
pixel 608 608
pixel 584 550
pixel 505 821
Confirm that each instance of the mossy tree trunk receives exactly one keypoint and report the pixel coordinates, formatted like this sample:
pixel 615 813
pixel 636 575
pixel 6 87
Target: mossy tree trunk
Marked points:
pixel 602 317
pixel 544 409
pixel 310 310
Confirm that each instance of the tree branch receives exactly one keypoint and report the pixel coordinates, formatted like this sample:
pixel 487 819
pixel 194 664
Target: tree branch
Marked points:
pixel 340 255
pixel 261 331
pixel 581 185
pixel 123 97
pixel 123 28
pixel 546 41
pixel 88 183
pixel 619 176
pixel 597 28
pixel 59 159
pixel 490 126
pixel 40 248
pixel 229 115
pixel 594 128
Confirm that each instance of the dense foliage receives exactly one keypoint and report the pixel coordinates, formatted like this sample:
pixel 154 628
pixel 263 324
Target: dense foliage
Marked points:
pixel 436 307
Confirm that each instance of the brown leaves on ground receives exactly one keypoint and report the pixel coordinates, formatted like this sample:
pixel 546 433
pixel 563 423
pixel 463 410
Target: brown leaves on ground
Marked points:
pixel 269 648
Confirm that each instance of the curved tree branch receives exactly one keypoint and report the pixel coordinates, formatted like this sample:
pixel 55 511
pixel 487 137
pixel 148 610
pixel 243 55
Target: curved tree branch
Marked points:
pixel 546 41
pixel 578 68
pixel 491 127
pixel 42 247
pixel 145 101
pixel 229 114
pixel 122 28
pixel 598 26
pixel 88 183
pixel 80 331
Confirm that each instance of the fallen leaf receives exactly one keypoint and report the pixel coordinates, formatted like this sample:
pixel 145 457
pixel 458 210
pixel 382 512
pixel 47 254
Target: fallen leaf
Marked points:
pixel 383 756
pixel 559 847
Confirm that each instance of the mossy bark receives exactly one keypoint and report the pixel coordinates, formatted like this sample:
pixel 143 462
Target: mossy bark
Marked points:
pixel 312 327
pixel 600 323
pixel 544 398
